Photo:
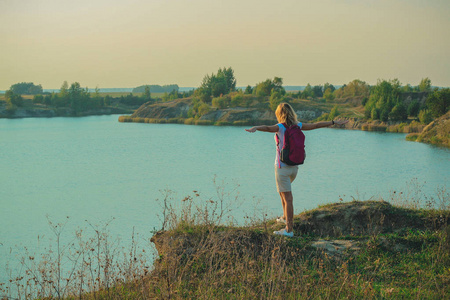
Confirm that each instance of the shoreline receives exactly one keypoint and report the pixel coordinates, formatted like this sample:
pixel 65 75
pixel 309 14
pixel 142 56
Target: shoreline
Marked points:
pixel 24 113
pixel 354 124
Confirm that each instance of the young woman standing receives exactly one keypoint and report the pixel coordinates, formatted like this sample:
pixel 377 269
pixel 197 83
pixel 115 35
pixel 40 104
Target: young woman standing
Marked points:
pixel 285 174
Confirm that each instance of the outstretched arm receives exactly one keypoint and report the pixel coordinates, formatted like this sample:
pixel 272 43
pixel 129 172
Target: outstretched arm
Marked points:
pixel 273 128
pixel 317 125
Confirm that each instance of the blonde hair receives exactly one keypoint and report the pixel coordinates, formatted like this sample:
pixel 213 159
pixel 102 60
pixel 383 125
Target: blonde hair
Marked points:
pixel 286 114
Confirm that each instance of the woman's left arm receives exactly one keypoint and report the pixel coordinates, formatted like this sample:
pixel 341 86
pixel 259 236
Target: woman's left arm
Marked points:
pixel 317 125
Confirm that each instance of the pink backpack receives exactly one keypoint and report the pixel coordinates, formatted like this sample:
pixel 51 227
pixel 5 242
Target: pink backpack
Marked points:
pixel 292 152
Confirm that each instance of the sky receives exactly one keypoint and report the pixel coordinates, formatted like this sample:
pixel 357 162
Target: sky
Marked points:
pixel 127 43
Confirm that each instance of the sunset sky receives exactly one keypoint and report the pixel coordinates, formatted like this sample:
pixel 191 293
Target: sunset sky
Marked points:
pixel 127 43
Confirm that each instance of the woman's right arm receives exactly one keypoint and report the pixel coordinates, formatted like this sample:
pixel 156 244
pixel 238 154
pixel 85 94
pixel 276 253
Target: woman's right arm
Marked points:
pixel 273 128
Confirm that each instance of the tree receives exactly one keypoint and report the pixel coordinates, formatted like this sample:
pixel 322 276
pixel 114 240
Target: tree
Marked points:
pixel 96 101
pixel 425 116
pixel 38 99
pixel 219 86
pixel 438 102
pixel 328 95
pixel 374 114
pixel 230 80
pixel 355 88
pixel 26 88
pixel 278 85
pixel 307 92
pixel 264 88
pixel 57 100
pixel 275 99
pixel 48 99
pixel 413 108
pixel 317 91
pixel 63 94
pixel 13 99
pixel 384 96
pixel 216 85
pixel 425 85
pixel 384 112
pixel 107 100
pixel 333 113
pixel 78 98
pixel 407 88
pixel 398 113
pixel 147 95
pixel 248 90
pixel 329 86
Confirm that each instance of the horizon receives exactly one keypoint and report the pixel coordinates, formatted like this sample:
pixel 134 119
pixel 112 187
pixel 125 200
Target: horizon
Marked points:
pixel 188 88
pixel 133 43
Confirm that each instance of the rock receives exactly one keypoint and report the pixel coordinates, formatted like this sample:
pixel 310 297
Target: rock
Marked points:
pixel 308 115
pixel 335 247
pixel 166 110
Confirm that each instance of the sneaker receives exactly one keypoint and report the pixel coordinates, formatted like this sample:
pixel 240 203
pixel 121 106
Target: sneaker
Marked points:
pixel 281 220
pixel 284 232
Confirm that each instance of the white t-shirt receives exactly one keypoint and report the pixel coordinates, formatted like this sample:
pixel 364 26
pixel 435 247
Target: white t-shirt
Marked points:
pixel 280 133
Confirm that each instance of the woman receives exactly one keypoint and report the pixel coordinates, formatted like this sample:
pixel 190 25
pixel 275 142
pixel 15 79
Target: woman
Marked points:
pixel 285 174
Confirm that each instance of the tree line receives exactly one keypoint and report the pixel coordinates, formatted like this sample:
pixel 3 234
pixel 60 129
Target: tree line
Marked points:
pixel 155 88
pixel 384 101
pixel 79 99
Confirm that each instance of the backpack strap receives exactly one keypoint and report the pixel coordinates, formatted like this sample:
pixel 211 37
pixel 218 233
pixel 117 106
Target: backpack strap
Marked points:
pixel 278 144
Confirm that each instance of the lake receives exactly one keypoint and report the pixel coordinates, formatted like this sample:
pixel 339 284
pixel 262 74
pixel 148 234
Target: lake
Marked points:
pixel 95 169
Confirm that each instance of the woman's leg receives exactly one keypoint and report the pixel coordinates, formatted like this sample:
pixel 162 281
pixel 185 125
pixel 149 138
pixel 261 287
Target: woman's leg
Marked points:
pixel 283 203
pixel 288 209
pixel 284 177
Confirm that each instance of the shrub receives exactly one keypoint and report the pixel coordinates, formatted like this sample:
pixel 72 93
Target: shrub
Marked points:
pixel 333 113
pixel 425 116
pixel 237 100
pixel 203 109
pixel 242 123
pixel 412 137
pixel 203 122
pixel 125 119
pixel 223 123
pixel 38 99
pixel 221 102
pixel 172 120
pixel 189 121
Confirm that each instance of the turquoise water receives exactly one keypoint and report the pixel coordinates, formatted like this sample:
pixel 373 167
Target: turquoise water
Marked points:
pixel 96 169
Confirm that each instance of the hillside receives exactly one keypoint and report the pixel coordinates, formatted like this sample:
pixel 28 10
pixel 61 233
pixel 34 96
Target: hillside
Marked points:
pixel 437 132
pixel 177 111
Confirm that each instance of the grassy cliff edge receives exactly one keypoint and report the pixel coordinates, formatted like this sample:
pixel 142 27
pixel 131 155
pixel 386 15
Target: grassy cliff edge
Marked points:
pixel 367 249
